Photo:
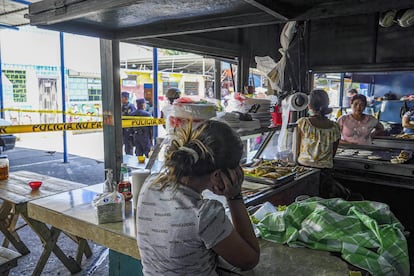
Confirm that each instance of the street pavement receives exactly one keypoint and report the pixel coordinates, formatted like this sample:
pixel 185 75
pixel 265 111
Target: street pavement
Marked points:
pixel 43 153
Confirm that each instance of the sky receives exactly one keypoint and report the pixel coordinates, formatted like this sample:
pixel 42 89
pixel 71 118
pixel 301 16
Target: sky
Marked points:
pixel 33 46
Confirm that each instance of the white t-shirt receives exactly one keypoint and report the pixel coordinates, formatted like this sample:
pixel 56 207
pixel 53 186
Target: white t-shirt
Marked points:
pixel 176 230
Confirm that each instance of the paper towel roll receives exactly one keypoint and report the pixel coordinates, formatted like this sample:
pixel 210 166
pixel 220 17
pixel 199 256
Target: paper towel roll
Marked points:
pixel 138 178
pixel 298 101
pixel 282 139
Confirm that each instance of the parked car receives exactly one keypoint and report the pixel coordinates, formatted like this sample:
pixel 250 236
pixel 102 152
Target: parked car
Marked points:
pixel 7 141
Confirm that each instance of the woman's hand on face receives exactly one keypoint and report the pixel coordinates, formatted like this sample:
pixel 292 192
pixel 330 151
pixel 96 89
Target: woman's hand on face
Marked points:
pixel 232 180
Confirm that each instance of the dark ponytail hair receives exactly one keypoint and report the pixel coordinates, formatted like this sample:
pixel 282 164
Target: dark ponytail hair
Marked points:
pixel 319 102
pixel 212 145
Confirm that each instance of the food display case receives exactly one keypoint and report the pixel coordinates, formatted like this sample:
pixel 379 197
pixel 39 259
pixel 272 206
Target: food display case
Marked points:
pixel 286 180
pixel 260 146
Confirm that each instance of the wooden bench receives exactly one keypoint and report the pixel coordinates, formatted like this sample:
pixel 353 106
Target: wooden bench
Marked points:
pixel 8 260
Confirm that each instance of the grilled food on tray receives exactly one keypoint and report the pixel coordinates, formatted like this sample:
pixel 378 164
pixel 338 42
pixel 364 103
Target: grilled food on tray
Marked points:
pixel 271 169
pixel 405 136
pixel 273 175
pixel 403 157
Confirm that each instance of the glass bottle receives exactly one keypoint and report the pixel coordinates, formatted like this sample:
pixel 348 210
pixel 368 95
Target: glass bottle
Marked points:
pixel 124 186
pixel 4 167
pixel 109 185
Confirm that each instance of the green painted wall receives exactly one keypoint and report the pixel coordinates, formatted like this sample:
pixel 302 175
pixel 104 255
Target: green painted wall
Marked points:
pixel 18 79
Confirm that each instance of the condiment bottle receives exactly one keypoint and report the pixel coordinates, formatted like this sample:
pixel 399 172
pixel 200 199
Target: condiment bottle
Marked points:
pixel 4 167
pixel 124 186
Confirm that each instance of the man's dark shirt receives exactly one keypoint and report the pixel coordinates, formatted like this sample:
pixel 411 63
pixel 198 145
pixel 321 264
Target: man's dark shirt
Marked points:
pixel 127 108
pixel 142 135
pixel 145 131
pixel 127 133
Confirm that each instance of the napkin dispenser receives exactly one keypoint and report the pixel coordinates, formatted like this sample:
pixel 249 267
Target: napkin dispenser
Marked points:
pixel 109 205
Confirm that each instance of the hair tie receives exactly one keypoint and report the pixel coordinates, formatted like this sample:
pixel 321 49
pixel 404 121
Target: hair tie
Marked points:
pixel 193 153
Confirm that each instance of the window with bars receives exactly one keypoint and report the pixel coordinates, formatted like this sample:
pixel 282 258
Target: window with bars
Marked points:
pixel 84 89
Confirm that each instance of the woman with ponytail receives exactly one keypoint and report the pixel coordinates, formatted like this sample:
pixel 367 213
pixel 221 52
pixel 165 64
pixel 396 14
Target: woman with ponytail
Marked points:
pixel 318 139
pixel 178 231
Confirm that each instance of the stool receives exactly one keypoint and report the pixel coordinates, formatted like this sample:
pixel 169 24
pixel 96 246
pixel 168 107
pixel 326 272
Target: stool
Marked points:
pixel 8 260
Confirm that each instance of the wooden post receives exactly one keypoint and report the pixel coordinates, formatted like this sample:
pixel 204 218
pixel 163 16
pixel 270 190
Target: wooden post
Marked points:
pixel 217 79
pixel 111 105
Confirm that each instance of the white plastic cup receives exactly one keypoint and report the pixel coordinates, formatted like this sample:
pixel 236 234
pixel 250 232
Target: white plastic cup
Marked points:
pixel 138 178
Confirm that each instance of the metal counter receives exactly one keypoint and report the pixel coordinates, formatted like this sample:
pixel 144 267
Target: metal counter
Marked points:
pixel 359 168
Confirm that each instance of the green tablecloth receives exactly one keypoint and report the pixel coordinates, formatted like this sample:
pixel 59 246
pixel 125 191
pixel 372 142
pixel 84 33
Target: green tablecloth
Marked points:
pixel 366 233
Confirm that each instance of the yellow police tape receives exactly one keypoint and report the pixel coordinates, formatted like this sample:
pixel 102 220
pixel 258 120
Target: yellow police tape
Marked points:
pixel 143 121
pixel 50 112
pixel 138 122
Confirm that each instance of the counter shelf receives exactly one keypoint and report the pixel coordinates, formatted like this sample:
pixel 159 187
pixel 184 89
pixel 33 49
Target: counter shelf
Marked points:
pixel 398 174
pixel 73 212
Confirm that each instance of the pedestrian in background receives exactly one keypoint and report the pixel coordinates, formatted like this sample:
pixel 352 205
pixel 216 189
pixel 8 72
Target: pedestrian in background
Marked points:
pixel 346 104
pixel 142 135
pixel 127 134
pixel 352 92
pixel 149 107
pixel 172 94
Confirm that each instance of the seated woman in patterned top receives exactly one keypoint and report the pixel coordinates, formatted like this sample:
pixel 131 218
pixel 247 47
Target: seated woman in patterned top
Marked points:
pixel 178 231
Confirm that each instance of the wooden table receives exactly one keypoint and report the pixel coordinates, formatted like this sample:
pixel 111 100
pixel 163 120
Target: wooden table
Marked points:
pixel 16 194
pixel 73 213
